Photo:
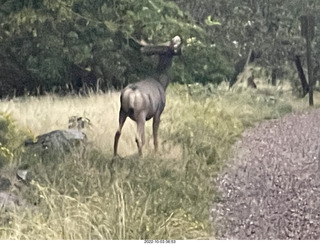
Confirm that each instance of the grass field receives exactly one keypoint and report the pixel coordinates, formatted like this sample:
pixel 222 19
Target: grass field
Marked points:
pixel 162 196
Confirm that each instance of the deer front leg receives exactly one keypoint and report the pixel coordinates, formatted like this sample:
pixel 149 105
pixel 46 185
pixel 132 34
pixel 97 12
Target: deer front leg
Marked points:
pixel 156 122
pixel 140 137
pixel 122 118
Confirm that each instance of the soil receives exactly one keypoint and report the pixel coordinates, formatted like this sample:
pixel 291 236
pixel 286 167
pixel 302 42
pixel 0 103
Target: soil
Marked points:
pixel 270 189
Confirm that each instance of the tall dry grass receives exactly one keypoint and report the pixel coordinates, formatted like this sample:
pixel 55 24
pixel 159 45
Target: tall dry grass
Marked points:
pixel 162 196
pixel 51 112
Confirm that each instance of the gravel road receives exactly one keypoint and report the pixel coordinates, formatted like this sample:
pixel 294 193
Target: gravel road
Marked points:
pixel 270 188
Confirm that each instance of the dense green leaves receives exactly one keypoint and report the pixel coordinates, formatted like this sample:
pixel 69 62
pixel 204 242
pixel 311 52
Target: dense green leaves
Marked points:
pixel 47 39
pixel 204 63
pixel 11 138
pixel 270 28
pixel 46 44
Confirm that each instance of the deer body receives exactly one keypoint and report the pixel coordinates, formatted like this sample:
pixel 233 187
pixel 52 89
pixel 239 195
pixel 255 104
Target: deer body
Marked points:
pixel 146 96
pixel 146 99
pixel 59 142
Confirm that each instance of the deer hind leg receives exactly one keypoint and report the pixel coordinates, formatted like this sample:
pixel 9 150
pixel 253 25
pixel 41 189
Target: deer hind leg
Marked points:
pixel 122 118
pixel 140 137
pixel 155 127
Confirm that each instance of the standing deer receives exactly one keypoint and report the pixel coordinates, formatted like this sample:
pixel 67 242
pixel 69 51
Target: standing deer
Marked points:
pixel 146 99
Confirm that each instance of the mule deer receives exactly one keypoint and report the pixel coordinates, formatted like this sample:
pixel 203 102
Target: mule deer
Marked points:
pixel 61 141
pixel 146 99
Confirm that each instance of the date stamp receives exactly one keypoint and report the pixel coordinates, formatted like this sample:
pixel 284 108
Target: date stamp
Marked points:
pixel 159 241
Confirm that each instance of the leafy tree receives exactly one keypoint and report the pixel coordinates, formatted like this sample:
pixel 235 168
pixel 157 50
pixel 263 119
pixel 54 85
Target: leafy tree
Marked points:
pixel 270 28
pixel 47 44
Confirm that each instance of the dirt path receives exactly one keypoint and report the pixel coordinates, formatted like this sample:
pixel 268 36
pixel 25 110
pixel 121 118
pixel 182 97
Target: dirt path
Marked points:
pixel 271 187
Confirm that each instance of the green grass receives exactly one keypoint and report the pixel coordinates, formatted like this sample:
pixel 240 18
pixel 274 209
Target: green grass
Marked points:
pixel 162 196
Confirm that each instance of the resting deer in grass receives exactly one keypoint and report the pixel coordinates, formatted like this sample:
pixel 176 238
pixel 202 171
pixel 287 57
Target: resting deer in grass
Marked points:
pixel 146 99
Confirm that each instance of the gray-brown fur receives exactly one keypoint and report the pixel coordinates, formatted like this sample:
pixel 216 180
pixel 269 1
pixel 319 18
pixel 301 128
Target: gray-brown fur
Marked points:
pixel 146 99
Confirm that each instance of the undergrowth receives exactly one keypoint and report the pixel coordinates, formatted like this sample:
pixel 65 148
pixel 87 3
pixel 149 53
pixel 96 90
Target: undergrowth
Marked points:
pixel 160 196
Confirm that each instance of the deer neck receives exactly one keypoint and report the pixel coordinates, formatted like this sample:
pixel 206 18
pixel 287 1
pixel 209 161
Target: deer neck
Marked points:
pixel 165 62
pixel 164 65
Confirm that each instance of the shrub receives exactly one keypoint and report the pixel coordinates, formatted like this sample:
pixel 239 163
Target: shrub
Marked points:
pixel 11 138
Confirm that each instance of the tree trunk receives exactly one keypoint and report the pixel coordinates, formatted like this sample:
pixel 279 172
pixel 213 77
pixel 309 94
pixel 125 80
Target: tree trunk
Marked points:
pixel 304 83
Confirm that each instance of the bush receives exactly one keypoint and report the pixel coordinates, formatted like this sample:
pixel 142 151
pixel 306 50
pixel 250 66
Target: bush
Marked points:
pixel 11 138
pixel 47 46
pixel 201 63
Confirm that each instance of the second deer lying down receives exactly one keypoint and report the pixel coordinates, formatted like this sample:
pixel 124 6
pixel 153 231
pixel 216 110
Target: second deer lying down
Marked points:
pixel 146 99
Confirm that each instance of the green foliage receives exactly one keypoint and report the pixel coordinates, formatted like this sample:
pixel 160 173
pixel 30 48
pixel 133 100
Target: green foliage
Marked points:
pixel 202 63
pixel 44 39
pixel 5 155
pixel 11 138
pixel 270 28
pixel 209 126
